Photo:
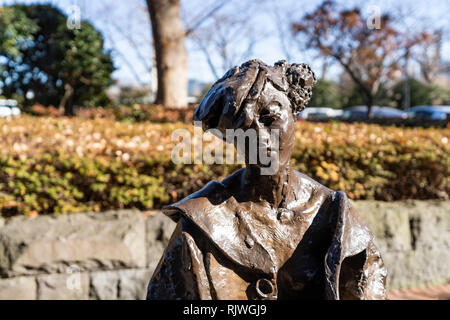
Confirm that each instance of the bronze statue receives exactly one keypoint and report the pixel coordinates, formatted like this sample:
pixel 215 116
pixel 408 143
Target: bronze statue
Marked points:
pixel 256 236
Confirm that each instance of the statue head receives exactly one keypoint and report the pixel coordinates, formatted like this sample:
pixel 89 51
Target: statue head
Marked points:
pixel 260 97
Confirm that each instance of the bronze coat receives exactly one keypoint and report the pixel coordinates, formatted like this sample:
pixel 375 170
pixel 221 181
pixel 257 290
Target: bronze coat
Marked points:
pixel 223 249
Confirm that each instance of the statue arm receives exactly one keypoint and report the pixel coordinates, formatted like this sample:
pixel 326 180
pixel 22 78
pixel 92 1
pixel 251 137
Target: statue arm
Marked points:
pixel 374 275
pixel 363 276
pixel 180 273
pixel 354 267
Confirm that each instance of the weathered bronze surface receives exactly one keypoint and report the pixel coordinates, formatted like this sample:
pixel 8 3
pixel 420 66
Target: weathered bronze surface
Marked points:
pixel 254 236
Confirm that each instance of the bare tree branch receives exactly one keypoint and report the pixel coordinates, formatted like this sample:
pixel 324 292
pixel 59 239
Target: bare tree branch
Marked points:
pixel 205 17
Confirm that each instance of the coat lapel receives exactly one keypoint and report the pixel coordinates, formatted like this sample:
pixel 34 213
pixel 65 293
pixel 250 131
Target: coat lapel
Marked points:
pixel 223 227
pixel 351 236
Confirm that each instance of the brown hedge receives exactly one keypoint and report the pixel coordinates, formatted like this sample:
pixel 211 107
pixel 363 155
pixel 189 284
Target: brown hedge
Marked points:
pixel 70 165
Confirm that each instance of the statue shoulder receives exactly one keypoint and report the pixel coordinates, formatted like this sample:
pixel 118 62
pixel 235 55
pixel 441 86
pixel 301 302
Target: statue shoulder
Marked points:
pixel 307 180
pixel 204 200
pixel 213 212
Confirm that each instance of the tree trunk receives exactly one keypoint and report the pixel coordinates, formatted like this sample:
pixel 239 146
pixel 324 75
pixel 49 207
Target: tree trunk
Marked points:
pixel 369 104
pixel 66 104
pixel 324 67
pixel 69 109
pixel 406 88
pixel 171 55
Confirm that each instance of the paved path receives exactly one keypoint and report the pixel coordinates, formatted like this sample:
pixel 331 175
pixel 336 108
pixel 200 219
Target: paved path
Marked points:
pixel 429 293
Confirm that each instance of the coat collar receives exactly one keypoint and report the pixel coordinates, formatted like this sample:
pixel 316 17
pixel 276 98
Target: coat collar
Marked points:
pixel 217 218
pixel 217 214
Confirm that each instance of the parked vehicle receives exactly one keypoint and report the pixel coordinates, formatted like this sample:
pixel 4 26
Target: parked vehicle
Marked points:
pixel 429 112
pixel 320 113
pixel 8 108
pixel 378 112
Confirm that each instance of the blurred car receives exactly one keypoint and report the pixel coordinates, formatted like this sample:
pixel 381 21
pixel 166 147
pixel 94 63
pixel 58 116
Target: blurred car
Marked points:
pixel 8 108
pixel 429 112
pixel 320 113
pixel 378 112
pixel 446 109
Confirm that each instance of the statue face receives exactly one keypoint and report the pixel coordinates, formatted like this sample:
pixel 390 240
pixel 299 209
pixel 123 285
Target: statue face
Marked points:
pixel 273 111
pixel 258 97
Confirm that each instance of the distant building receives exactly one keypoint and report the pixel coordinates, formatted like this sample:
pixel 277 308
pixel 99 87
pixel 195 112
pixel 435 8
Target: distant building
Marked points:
pixel 120 94
pixel 196 89
pixel 443 77
pixel 128 95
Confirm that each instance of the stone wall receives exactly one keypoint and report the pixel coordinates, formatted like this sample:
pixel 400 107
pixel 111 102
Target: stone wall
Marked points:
pixel 112 255
pixel 108 255
pixel 414 240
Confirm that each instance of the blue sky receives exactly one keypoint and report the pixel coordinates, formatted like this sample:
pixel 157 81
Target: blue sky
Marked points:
pixel 121 21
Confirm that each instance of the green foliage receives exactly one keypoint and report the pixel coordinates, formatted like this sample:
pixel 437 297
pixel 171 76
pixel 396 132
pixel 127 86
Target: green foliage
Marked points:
pixel 342 95
pixel 129 95
pixel 56 61
pixel 70 165
pixel 86 66
pixel 420 93
pixel 352 97
pixel 16 32
pixel 441 95
pixel 63 184
pixel 325 94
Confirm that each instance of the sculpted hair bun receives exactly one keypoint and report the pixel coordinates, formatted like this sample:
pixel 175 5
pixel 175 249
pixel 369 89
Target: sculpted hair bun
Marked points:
pixel 301 80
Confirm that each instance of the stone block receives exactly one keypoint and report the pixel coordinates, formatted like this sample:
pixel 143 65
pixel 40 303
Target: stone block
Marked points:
pixel 73 286
pixel 414 240
pixel 159 231
pixel 126 284
pixel 389 224
pixel 18 288
pixel 53 244
pixel 133 284
pixel 104 285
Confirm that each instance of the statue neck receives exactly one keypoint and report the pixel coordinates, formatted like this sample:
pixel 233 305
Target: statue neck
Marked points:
pixel 275 189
